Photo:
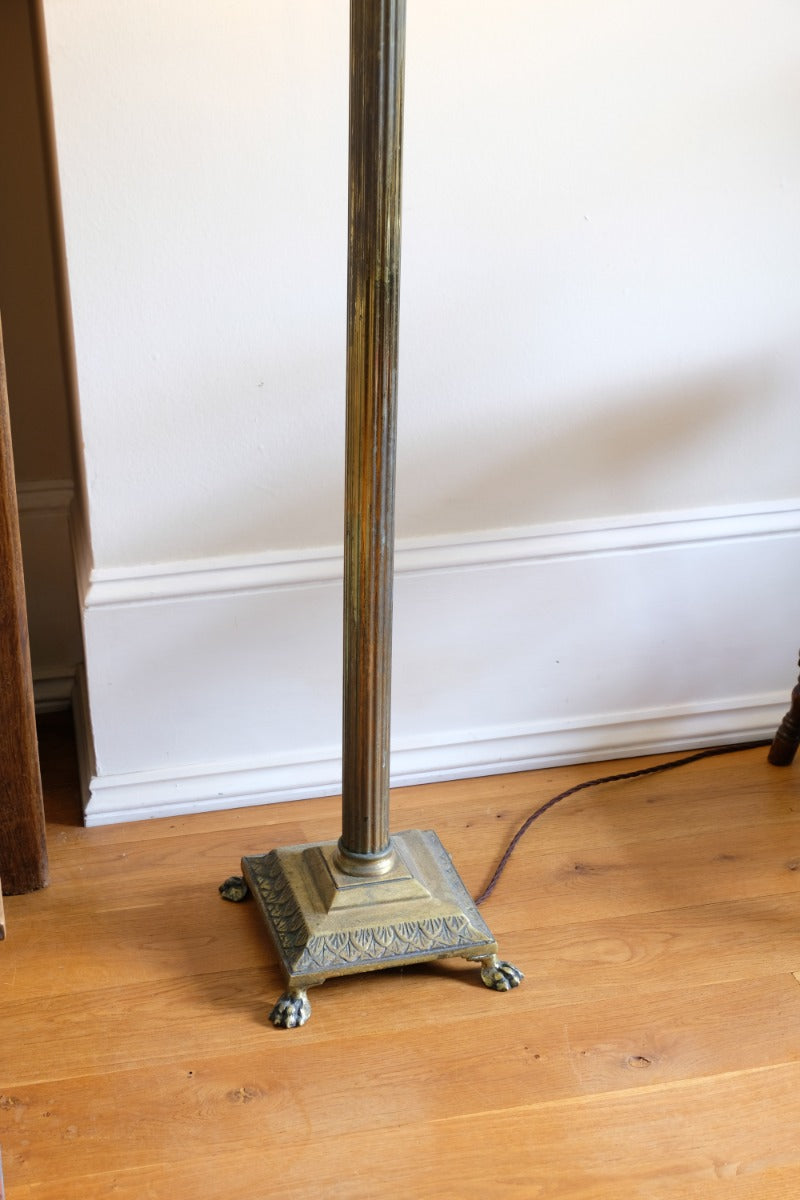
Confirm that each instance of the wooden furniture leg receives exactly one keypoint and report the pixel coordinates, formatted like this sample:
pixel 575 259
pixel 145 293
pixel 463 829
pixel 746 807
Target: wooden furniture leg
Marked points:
pixel 23 853
pixel 787 739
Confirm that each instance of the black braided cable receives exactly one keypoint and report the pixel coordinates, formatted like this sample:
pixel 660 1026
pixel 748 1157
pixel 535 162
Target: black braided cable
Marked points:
pixel 579 787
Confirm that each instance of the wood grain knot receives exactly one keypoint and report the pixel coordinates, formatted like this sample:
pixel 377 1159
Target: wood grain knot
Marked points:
pixel 582 868
pixel 244 1095
pixel 639 1062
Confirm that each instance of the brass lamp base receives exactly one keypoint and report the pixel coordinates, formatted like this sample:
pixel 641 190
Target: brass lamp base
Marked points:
pixel 370 901
pixel 326 923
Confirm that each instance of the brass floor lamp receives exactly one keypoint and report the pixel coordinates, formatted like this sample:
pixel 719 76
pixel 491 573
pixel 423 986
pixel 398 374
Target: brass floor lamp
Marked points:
pixel 370 900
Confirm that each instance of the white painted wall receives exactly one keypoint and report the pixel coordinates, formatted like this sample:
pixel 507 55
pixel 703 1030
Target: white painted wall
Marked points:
pixel 599 324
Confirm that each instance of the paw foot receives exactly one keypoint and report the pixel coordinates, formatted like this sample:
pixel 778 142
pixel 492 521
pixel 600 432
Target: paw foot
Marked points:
pixel 234 889
pixel 292 1009
pixel 499 975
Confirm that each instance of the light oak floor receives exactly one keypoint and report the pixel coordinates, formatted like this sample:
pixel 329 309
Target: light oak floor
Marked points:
pixel 653 1050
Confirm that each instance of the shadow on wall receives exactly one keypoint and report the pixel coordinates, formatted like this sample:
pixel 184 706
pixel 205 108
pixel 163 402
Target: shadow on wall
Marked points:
pixel 674 445
pixel 260 473
pixel 642 452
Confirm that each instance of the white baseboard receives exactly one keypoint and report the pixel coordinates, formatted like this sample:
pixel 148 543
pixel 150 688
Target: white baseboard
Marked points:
pixel 44 507
pixel 484 548
pixel 45 496
pixel 142 795
pixel 84 738
pixel 53 688
pixel 213 685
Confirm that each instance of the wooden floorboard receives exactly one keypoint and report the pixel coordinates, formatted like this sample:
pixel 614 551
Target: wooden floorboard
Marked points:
pixel 653 1050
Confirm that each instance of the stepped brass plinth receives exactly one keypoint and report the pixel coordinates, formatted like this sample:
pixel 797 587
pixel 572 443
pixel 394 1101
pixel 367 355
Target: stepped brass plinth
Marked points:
pixel 326 923
pixel 370 900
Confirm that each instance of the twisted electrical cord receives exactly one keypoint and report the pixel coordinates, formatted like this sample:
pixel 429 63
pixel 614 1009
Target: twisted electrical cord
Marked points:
pixel 589 783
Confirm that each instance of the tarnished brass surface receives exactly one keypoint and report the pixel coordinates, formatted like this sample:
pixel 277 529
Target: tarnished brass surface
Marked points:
pixel 377 40
pixel 325 923
pixel 368 901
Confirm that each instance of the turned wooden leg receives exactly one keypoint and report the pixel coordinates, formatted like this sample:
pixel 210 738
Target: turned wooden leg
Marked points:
pixel 787 739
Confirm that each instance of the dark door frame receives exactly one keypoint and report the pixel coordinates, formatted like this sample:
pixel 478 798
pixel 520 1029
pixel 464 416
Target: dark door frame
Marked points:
pixel 23 850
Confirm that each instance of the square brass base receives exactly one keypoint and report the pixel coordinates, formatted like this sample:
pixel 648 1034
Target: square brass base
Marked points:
pixel 325 923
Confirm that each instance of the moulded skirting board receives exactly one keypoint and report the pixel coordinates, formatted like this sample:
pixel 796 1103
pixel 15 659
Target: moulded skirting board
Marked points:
pixel 44 507
pixel 216 684
pixel 147 794
pixel 84 739
pixel 45 495
pixel 484 548
pixel 53 688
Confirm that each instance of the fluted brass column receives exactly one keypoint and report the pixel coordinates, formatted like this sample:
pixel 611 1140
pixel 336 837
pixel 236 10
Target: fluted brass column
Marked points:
pixel 368 901
pixel 377 54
